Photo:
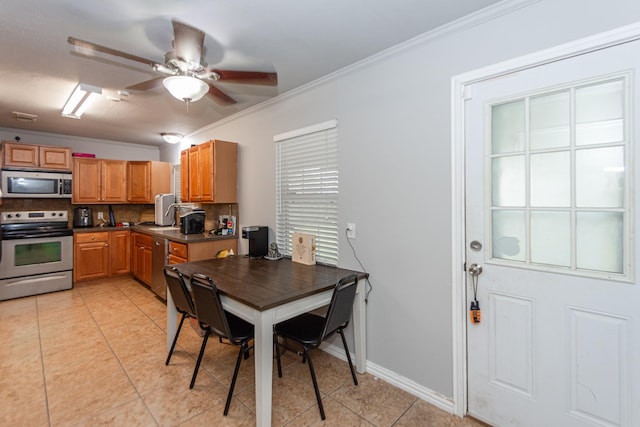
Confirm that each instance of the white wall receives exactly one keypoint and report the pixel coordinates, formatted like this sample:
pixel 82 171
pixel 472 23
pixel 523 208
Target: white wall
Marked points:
pixel 103 149
pixel 393 117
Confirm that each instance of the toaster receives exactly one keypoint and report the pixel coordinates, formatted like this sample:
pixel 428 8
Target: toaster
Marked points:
pixel 192 222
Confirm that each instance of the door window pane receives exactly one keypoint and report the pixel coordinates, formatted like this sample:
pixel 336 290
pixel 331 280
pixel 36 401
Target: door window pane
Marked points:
pixel 560 179
pixel 508 240
pixel 551 238
pixel 508 127
pixel 600 177
pixel 551 179
pixel 550 121
pixel 599 241
pixel 508 181
pixel 599 113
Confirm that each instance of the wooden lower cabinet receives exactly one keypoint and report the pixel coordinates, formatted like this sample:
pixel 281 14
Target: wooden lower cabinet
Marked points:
pixel 182 252
pixel 90 256
pixel 119 252
pixel 101 254
pixel 141 257
pixel 178 253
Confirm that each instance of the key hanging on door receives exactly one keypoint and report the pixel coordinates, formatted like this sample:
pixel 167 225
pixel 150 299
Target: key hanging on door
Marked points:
pixel 474 309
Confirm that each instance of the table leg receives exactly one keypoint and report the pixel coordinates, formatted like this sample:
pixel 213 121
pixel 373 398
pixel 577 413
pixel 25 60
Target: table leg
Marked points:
pixel 263 346
pixel 172 318
pixel 360 328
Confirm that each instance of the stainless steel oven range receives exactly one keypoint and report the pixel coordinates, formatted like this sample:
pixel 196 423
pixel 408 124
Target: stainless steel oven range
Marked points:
pixel 37 253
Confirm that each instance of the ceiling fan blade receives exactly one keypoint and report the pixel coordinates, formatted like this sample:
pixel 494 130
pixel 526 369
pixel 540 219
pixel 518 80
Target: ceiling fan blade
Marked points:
pixel 96 47
pixel 219 96
pixel 188 42
pixel 247 77
pixel 146 85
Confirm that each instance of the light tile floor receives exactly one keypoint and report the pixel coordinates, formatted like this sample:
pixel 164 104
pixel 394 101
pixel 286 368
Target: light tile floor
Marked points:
pixel 95 355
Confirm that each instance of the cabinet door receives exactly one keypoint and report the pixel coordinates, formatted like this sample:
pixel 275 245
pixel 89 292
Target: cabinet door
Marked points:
pixel 205 164
pixel 141 259
pixel 173 259
pixel 113 181
pixel 20 155
pixel 194 175
pixel 138 182
pixel 225 172
pixel 147 272
pixel 184 175
pixel 86 181
pixel 91 261
pixel 119 252
pixel 55 157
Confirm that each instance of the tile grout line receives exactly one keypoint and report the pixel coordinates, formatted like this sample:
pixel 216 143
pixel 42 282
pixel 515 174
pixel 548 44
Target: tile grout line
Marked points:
pixel 44 378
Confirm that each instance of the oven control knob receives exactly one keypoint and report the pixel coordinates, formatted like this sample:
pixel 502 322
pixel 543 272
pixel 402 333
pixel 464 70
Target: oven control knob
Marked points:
pixel 18 215
pixel 9 216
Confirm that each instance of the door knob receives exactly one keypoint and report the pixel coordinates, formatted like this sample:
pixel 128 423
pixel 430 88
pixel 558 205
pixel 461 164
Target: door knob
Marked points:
pixel 475 269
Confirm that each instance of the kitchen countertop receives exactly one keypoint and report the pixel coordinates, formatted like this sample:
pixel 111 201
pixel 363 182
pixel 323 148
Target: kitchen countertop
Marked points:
pixel 171 233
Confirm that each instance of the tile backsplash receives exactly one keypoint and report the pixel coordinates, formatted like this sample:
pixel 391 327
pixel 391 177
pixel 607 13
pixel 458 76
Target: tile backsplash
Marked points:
pixel 123 213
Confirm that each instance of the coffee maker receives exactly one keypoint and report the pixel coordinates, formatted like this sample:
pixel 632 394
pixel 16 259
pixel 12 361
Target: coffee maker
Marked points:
pixel 258 236
pixel 83 217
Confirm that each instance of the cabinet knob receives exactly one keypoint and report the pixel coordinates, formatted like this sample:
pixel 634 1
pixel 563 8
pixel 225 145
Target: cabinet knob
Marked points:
pixel 93 237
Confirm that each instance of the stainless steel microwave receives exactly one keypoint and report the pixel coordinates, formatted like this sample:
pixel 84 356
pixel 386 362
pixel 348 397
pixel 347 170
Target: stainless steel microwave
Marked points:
pixel 27 184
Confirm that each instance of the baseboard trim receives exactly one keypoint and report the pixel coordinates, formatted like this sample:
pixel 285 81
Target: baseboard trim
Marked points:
pixel 403 383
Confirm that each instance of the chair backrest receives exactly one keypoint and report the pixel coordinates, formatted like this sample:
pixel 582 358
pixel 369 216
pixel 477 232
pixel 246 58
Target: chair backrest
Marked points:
pixel 209 309
pixel 179 291
pixel 341 305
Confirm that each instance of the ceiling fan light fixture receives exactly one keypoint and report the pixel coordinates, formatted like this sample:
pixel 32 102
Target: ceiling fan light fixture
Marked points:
pixel 80 99
pixel 171 138
pixel 186 88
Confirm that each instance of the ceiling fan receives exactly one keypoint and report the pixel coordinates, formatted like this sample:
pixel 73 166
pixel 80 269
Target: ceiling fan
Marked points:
pixel 186 74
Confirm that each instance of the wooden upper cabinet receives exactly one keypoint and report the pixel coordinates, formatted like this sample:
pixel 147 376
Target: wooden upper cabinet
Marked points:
pixel 212 172
pixel 194 175
pixel 30 156
pixel 99 181
pixel 145 179
pixel 184 175
pixel 55 157
pixel 114 184
pixel 86 180
pixel 205 158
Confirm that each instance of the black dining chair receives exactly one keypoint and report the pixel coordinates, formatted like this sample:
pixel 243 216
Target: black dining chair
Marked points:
pixel 310 330
pixel 182 300
pixel 215 320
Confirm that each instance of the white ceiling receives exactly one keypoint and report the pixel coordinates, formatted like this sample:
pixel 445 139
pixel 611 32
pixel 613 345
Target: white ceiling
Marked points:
pixel 300 40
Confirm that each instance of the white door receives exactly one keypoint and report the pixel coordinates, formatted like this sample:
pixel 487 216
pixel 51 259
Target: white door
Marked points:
pixel 551 207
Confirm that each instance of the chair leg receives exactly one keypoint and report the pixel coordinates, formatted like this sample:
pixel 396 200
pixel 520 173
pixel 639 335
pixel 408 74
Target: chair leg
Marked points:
pixel 277 347
pixel 315 382
pixel 195 371
pixel 346 350
pixel 175 339
pixel 243 349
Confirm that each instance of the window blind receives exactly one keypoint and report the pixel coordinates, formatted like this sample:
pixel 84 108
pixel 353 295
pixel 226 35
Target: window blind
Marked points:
pixel 307 189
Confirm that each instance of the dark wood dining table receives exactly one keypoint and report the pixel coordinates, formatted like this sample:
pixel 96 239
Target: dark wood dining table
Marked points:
pixel 265 292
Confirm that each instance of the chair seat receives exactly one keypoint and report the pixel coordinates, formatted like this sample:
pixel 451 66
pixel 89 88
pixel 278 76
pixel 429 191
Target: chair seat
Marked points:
pixel 240 328
pixel 305 328
pixel 310 329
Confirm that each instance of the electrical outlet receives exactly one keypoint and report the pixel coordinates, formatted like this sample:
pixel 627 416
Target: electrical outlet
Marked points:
pixel 101 215
pixel 351 230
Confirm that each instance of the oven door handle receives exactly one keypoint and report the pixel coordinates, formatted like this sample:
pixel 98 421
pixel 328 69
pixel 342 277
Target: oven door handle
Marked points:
pixel 37 235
